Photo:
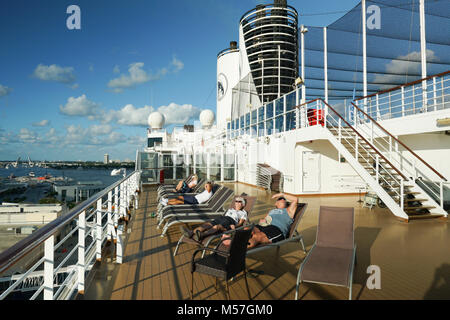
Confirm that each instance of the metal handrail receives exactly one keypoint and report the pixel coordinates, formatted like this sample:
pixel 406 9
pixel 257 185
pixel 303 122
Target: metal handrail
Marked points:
pixel 365 140
pixel 13 254
pixel 404 85
pixel 401 143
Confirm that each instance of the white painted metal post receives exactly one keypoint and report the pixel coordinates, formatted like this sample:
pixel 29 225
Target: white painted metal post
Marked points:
pixel 110 222
pixel 434 94
pixel 81 248
pixel 403 101
pixel 49 267
pixel 303 30
pixel 441 194
pixel 423 51
pixel 119 247
pixel 297 110
pixel 364 26
pixel 222 162
pixel 339 137
pixel 377 167
pixel 325 63
pixel 402 188
pixel 356 147
pixel 279 71
pixel 284 113
pixel 116 210
pixel 99 231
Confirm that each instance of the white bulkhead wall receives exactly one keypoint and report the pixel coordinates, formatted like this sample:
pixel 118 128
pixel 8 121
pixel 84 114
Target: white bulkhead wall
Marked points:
pixel 227 78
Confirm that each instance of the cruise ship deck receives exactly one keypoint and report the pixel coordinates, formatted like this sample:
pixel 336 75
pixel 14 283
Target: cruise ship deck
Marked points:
pixel 413 257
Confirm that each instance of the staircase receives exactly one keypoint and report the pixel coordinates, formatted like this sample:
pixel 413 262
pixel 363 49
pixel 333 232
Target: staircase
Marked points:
pixel 374 154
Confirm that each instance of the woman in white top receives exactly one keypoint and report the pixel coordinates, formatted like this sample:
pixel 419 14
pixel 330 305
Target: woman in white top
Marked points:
pixel 233 218
pixel 198 199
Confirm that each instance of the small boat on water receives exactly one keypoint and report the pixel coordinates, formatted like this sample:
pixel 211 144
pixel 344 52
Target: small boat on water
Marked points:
pixel 31 174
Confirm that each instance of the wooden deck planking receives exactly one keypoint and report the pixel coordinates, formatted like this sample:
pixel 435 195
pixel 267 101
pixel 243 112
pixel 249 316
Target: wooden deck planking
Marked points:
pixel 409 261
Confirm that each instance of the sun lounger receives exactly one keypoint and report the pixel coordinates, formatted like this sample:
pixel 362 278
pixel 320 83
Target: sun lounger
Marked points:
pixel 331 260
pixel 170 194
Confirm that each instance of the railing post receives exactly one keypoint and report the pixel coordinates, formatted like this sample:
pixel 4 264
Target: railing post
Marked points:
pixel 414 99
pixel 99 232
pixel 81 249
pixel 390 106
pixel 378 107
pixel 119 247
pixel 371 131
pixel 325 116
pixel 377 167
pixel 49 267
pixel 403 101
pixel 434 94
pixel 356 147
pixel 402 188
pixel 339 130
pixel 441 193
pixel 110 222
pixel 390 148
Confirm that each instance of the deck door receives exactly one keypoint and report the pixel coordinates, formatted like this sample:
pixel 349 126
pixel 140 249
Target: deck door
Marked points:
pixel 311 171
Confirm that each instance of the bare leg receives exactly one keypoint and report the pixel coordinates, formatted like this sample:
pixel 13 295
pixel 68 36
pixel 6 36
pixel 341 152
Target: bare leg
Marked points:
pixel 179 200
pixel 179 185
pixel 257 238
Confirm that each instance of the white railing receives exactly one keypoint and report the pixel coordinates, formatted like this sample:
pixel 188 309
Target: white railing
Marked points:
pixel 406 160
pixel 320 113
pixel 84 231
pixel 421 96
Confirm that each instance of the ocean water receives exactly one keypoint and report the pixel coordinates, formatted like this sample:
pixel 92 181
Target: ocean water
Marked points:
pixel 103 175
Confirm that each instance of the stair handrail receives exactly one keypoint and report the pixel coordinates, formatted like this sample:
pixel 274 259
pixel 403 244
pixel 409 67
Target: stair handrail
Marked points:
pixel 401 143
pixel 365 140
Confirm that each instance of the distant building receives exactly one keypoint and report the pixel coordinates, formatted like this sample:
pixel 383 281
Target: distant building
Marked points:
pixel 77 192
pixel 106 158
pixel 19 214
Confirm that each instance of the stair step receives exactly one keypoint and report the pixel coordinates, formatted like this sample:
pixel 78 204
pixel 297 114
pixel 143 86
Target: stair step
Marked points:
pixel 413 200
pixel 405 192
pixel 425 216
pixel 418 208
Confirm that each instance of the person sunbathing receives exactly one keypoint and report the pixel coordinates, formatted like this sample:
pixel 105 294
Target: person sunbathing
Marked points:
pixel 233 218
pixel 275 226
pixel 190 199
pixel 183 187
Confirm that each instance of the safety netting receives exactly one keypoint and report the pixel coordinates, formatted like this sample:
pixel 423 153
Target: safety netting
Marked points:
pixel 393 48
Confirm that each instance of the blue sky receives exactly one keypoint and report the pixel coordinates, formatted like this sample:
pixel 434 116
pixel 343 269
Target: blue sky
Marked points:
pixel 77 94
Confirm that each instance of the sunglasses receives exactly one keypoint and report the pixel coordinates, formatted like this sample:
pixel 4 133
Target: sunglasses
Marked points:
pixel 281 198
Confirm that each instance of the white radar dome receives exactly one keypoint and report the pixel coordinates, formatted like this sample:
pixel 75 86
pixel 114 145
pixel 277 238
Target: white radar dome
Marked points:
pixel 156 120
pixel 207 118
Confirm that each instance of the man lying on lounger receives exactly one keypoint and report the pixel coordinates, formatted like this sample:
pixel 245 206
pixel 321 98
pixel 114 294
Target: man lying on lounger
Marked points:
pixel 275 226
pixel 190 199
pixel 183 187
pixel 233 218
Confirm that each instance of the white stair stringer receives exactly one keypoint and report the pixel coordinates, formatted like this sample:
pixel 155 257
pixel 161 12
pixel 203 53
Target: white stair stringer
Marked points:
pixel 365 175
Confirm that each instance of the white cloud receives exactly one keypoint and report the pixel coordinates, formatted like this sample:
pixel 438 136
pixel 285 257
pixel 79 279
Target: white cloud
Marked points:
pixel 177 64
pixel 402 66
pixel 131 116
pixel 179 114
pixel 4 91
pixel 42 123
pixel 136 75
pixel 80 106
pixel 100 129
pixel 54 73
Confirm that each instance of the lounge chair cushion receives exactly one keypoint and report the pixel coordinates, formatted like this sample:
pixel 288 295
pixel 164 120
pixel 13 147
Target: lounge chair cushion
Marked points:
pixel 213 265
pixel 335 227
pixel 328 265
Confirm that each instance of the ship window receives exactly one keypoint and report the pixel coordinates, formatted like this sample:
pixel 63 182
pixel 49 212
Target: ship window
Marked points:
pixel 254 116
pixel 247 119
pixel 279 106
pixel 269 111
pixel 290 120
pixel 261 129
pixel 279 124
pixel 269 126
pixel 151 141
pixel 261 114
pixel 290 100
